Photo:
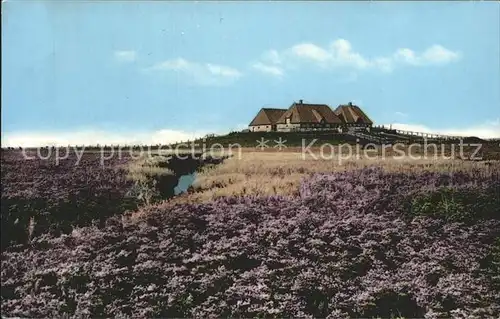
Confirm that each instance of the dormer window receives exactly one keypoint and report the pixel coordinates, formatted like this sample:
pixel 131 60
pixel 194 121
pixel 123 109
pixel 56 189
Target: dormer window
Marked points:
pixel 287 120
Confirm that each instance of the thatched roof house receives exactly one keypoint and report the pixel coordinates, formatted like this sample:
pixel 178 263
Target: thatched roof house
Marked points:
pixel 266 119
pixel 307 117
pixel 301 113
pixel 352 114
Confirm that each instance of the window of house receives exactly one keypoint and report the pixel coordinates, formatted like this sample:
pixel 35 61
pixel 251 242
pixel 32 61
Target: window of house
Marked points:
pixel 288 121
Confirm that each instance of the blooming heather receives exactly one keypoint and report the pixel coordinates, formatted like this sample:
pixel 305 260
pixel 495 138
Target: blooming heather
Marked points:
pixel 348 246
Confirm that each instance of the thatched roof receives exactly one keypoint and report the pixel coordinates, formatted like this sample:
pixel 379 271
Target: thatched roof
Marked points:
pixel 352 114
pixel 309 113
pixel 267 116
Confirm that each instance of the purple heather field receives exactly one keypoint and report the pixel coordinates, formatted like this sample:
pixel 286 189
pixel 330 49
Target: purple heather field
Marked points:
pixel 362 243
pixel 250 159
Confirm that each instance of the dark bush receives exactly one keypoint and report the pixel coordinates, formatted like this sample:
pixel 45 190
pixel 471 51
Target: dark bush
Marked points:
pixel 457 204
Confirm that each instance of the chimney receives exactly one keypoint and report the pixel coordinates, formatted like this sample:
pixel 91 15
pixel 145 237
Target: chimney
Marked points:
pixel 350 103
pixel 300 101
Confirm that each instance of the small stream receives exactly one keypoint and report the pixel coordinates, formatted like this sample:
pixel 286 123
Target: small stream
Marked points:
pixel 185 171
pixel 185 181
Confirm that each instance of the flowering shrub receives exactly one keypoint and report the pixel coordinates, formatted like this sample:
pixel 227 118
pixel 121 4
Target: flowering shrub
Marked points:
pixel 42 195
pixel 345 247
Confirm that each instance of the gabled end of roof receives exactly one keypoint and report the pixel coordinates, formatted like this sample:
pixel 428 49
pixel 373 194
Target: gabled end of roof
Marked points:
pixel 267 116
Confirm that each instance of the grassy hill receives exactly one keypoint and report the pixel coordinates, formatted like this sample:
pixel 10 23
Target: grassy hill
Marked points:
pixel 295 139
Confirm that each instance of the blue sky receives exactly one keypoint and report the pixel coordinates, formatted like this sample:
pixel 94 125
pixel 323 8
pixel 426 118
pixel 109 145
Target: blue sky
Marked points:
pixel 119 71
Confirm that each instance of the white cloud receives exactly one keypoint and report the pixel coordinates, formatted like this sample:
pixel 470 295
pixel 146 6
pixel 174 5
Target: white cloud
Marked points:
pixel 401 114
pixel 406 55
pixel 200 73
pixel 94 137
pixel 343 55
pixel 270 64
pixel 435 54
pixel 486 130
pixel 439 54
pixel 310 51
pixel 340 54
pixel 268 69
pixel 125 56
